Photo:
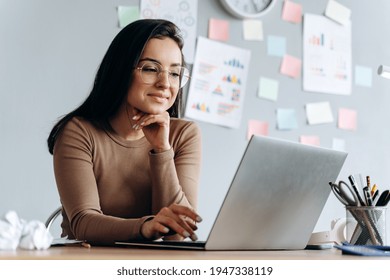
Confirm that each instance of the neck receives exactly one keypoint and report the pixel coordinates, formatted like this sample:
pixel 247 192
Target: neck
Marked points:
pixel 121 124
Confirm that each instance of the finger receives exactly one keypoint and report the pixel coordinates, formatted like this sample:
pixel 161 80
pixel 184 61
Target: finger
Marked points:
pixel 173 226
pixel 153 230
pixel 168 218
pixel 185 211
pixel 136 114
pixel 147 120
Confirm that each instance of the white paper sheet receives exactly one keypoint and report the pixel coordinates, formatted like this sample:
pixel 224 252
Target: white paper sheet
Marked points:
pixel 327 65
pixel 218 83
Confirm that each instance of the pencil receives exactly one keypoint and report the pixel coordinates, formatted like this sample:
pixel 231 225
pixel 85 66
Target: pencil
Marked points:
pixel 86 245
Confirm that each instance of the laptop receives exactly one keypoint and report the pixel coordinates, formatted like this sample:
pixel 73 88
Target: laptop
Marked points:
pixel 274 200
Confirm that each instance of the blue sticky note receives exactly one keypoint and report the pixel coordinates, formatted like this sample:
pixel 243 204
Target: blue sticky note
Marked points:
pixel 286 119
pixel 363 76
pixel 276 45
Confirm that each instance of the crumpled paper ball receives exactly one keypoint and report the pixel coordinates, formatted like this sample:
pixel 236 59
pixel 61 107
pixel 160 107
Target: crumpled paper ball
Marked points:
pixel 15 232
pixel 10 231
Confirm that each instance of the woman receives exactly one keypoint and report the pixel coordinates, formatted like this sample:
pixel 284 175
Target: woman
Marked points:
pixel 125 167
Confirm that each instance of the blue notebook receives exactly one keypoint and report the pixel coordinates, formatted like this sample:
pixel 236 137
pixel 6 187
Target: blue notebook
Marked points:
pixel 364 250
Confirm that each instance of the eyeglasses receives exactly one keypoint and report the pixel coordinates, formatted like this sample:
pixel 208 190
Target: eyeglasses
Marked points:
pixel 151 72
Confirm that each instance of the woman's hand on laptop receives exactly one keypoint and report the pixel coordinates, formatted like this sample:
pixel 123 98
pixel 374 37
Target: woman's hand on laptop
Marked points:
pixel 173 220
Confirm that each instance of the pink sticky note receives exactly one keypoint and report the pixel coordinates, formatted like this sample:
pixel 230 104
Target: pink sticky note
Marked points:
pixel 310 140
pixel 347 119
pixel 292 12
pixel 256 127
pixel 218 29
pixel 291 66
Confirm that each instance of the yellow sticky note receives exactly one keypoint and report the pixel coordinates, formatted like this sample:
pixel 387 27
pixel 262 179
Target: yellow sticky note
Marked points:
pixel 291 66
pixel 218 29
pixel 253 30
pixel 339 13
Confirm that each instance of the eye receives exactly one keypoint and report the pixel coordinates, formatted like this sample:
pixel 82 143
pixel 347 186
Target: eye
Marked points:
pixel 175 73
pixel 150 68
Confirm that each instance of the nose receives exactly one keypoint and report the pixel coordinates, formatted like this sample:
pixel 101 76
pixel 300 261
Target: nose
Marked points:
pixel 163 79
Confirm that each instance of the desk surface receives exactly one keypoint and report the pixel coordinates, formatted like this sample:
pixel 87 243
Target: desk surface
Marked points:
pixel 128 253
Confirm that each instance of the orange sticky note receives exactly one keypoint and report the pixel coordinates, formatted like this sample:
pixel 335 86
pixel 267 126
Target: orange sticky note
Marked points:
pixel 256 127
pixel 218 29
pixel 347 119
pixel 310 140
pixel 291 66
pixel 292 12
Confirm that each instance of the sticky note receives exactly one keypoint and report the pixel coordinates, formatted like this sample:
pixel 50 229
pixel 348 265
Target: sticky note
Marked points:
pixel 291 66
pixel 286 119
pixel 292 12
pixel 253 30
pixel 276 45
pixel 319 113
pixel 363 76
pixel 127 14
pixel 339 144
pixel 337 12
pixel 256 127
pixel 268 89
pixel 218 29
pixel 310 140
pixel 347 119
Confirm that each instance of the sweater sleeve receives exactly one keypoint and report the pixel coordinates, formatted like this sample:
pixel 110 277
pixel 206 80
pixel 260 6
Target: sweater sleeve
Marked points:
pixel 175 173
pixel 76 183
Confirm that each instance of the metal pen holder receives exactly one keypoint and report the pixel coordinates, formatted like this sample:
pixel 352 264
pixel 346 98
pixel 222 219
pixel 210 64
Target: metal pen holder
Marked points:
pixel 366 225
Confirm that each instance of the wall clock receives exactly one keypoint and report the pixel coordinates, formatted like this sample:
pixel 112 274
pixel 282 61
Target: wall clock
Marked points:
pixel 248 8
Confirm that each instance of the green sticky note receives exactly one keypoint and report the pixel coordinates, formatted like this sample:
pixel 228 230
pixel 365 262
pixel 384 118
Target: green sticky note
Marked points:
pixel 127 14
pixel 268 89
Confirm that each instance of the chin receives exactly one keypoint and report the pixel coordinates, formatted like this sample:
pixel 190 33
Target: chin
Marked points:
pixel 156 111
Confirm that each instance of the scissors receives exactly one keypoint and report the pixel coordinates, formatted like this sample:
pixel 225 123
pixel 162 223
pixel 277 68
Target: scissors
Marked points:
pixel 345 193
pixel 347 196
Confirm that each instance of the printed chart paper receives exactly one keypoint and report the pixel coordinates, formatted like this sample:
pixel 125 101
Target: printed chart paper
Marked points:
pixel 327 56
pixel 218 83
pixel 183 13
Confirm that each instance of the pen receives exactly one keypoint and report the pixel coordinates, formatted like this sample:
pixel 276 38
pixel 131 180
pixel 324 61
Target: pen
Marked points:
pixel 383 198
pixel 373 190
pixel 374 196
pixel 368 183
pixel 352 180
pixel 367 195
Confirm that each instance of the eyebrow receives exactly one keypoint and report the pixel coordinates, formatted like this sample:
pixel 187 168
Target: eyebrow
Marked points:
pixel 156 61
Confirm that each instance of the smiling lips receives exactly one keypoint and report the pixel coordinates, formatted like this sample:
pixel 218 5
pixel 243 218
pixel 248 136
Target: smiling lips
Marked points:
pixel 159 97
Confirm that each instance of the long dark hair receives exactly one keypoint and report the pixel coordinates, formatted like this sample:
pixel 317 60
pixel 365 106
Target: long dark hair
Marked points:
pixel 114 75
